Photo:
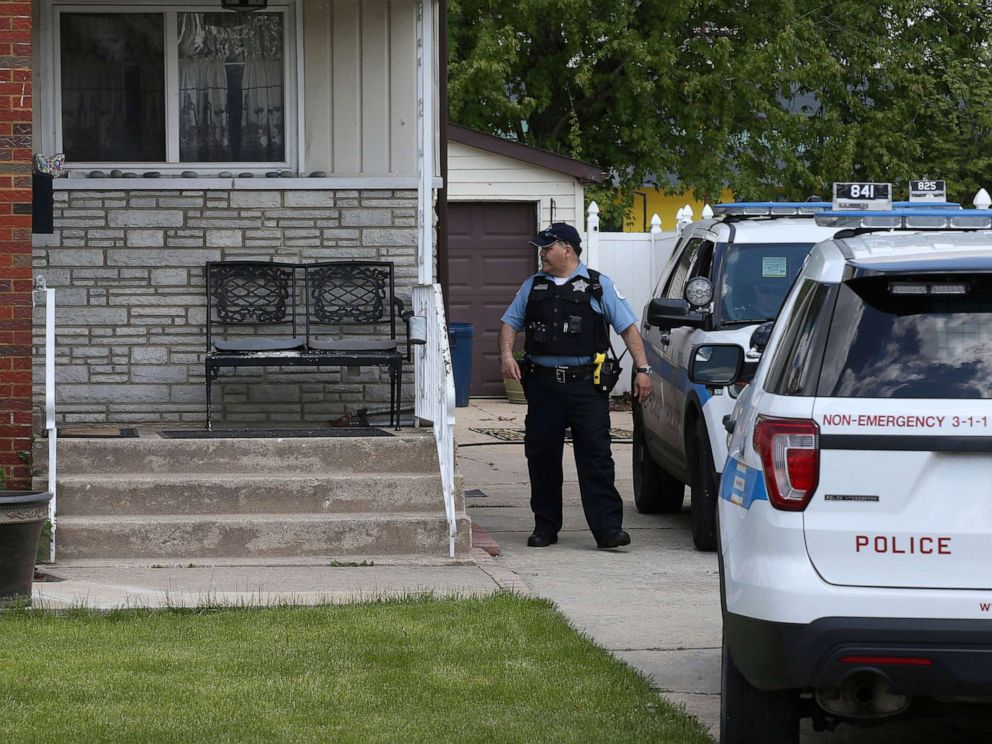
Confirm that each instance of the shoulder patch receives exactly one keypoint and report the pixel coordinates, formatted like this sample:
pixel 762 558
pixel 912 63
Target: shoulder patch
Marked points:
pixel 619 293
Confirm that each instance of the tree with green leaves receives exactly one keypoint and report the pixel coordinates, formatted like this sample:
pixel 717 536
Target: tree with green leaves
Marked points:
pixel 772 98
pixel 584 79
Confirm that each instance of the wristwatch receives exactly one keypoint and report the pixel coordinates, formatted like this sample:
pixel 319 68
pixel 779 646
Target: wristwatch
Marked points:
pixel 645 370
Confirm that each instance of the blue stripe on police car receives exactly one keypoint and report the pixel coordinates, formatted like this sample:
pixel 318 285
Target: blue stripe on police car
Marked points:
pixel 742 485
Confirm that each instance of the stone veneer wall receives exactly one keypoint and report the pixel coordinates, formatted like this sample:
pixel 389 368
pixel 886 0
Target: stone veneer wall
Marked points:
pixel 128 269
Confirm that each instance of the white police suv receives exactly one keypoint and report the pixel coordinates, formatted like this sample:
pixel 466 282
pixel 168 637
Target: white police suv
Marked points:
pixel 726 276
pixel 855 508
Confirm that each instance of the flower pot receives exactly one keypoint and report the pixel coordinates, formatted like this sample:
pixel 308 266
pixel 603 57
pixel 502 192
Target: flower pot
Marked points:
pixel 514 390
pixel 22 517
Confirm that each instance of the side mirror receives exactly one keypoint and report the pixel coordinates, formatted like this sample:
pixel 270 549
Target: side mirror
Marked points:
pixel 716 364
pixel 761 335
pixel 667 314
pixel 664 309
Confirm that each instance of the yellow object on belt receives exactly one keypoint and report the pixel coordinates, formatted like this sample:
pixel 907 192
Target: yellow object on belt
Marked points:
pixel 598 362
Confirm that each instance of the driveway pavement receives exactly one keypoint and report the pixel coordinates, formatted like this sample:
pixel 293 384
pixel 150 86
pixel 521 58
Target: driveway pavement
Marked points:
pixel 656 604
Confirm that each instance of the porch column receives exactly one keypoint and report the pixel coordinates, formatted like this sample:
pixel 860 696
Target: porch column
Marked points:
pixel 15 242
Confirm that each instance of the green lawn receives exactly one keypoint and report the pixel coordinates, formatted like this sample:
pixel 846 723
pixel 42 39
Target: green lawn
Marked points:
pixel 484 670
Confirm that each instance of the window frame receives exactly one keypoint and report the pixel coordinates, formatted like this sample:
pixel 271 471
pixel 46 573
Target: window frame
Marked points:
pixel 685 263
pixel 794 369
pixel 171 166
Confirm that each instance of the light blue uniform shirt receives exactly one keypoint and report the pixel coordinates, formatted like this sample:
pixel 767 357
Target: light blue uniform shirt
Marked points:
pixel 618 314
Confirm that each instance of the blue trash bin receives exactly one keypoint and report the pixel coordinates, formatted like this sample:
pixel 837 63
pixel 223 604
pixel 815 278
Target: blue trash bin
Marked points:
pixel 460 340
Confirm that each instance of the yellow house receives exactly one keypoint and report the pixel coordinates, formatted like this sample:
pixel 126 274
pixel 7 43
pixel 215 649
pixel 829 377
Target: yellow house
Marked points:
pixel 649 201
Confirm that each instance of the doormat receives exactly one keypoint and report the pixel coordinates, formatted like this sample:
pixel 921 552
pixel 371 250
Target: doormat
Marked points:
pixel 343 431
pixel 96 432
pixel 517 435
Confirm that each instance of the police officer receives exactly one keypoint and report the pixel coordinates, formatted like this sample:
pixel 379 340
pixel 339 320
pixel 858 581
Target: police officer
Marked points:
pixel 564 310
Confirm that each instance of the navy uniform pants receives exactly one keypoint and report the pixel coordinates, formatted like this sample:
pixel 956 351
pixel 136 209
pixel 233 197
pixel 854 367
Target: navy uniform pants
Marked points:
pixel 551 406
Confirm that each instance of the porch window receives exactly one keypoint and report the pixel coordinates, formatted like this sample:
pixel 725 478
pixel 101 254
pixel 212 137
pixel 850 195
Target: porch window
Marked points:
pixel 113 86
pixel 172 86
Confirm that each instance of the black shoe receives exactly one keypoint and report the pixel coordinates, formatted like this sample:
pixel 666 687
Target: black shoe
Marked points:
pixel 613 539
pixel 541 540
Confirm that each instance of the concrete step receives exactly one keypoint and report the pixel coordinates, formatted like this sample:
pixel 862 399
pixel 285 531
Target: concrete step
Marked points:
pixel 411 452
pixel 141 493
pixel 191 538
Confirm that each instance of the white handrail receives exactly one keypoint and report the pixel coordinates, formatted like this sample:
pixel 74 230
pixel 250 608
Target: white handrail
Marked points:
pixel 435 401
pixel 50 425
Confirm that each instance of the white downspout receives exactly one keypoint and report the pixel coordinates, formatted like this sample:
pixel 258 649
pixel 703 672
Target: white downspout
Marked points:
pixel 425 151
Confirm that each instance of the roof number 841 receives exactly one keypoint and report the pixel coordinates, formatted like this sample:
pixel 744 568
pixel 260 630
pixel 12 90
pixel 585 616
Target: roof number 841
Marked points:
pixel 862 191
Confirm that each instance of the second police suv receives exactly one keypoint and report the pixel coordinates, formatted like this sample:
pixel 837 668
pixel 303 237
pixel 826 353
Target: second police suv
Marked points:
pixel 854 509
pixel 726 276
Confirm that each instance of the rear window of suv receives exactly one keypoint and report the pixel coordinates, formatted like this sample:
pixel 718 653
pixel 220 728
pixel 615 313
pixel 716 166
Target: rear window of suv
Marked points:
pixel 885 344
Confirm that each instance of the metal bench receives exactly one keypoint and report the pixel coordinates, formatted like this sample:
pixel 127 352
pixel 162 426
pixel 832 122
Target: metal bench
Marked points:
pixel 346 308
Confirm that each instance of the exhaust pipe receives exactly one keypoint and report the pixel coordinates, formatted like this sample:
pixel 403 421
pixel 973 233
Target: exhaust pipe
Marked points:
pixel 863 694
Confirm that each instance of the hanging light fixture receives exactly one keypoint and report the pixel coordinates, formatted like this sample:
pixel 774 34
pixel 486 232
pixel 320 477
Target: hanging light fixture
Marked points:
pixel 244 6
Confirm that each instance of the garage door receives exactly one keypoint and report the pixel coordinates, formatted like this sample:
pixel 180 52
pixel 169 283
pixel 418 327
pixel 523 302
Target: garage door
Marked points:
pixel 489 256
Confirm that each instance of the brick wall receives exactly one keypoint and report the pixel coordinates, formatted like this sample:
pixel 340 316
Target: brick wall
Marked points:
pixel 15 241
pixel 128 270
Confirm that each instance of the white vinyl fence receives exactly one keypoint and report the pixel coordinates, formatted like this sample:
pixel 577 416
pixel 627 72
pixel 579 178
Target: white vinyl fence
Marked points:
pixel 634 262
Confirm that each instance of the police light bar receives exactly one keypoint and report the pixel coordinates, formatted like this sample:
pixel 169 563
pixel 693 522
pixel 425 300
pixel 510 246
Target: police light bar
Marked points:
pixel 925 205
pixel 861 196
pixel 769 209
pixel 908 219
pixel 918 288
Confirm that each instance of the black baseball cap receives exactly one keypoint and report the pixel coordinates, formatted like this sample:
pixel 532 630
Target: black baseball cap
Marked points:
pixel 558 231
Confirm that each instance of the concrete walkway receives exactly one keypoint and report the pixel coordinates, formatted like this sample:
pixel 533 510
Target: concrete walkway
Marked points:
pixel 655 604
pixel 101 586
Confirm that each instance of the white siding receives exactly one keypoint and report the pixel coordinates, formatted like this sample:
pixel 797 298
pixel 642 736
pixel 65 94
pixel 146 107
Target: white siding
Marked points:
pixel 477 175
pixel 361 86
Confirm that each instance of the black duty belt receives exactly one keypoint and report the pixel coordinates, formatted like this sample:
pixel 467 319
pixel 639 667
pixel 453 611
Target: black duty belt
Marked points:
pixel 562 374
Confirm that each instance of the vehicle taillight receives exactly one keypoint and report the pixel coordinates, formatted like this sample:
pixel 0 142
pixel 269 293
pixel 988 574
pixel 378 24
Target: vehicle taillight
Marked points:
pixel 790 456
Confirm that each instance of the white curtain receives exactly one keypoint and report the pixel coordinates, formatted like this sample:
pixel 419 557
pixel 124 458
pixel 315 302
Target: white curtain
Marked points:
pixel 231 87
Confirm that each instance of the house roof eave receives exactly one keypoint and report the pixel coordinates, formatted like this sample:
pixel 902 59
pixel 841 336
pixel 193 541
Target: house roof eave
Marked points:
pixel 584 172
